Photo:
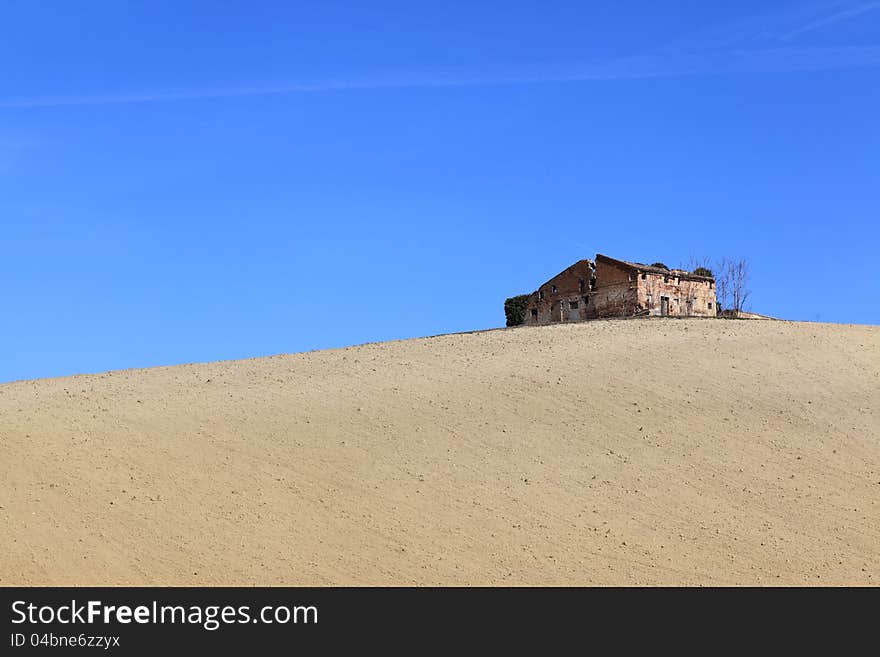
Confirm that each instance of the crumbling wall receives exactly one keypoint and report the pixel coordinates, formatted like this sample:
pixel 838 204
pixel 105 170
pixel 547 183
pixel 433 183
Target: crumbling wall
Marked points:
pixel 616 291
pixel 614 288
pixel 686 295
pixel 567 297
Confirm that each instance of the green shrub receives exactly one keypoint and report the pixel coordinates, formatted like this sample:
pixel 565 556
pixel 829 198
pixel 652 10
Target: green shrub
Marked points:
pixel 703 271
pixel 660 265
pixel 515 309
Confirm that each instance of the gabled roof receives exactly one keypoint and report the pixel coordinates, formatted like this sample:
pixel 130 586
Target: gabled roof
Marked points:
pixel 638 266
pixel 584 262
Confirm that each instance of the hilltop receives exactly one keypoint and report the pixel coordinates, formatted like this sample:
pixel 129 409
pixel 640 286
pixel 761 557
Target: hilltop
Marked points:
pixel 608 452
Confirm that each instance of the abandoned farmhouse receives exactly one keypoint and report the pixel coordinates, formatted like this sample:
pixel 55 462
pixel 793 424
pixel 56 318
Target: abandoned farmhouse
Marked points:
pixel 608 287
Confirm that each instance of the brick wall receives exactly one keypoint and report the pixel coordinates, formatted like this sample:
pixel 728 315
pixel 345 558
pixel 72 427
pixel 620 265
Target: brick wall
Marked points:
pixel 616 289
pixel 686 296
pixel 613 288
pixel 567 297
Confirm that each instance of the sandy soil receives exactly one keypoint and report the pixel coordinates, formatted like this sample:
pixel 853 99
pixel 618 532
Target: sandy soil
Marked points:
pixel 612 452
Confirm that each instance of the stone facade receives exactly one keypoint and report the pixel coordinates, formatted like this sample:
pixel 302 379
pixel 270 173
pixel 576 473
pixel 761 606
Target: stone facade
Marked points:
pixel 567 297
pixel 631 288
pixel 608 287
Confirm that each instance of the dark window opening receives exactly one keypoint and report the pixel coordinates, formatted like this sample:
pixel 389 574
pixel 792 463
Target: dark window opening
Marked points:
pixel 710 305
pixel 644 276
pixel 540 295
pixel 554 289
pixel 582 284
pixel 664 306
pixel 573 305
pixel 586 301
pixel 535 313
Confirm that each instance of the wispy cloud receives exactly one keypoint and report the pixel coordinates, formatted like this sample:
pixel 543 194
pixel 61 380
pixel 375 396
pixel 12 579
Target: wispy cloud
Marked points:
pixel 758 44
pixel 851 12
pixel 769 27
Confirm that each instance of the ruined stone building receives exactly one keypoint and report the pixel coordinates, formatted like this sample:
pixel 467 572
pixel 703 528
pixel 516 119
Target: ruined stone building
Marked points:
pixel 608 287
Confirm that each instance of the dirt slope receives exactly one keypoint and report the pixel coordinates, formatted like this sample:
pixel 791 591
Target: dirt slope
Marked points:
pixel 612 452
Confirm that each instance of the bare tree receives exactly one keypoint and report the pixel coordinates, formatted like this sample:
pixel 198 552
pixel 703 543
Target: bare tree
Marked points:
pixel 723 276
pixel 732 285
pixel 739 282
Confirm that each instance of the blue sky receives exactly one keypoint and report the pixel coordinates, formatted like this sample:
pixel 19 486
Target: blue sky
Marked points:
pixel 192 181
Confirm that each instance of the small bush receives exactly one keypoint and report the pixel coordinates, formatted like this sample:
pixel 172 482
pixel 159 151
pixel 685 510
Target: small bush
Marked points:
pixel 515 309
pixel 660 265
pixel 703 271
